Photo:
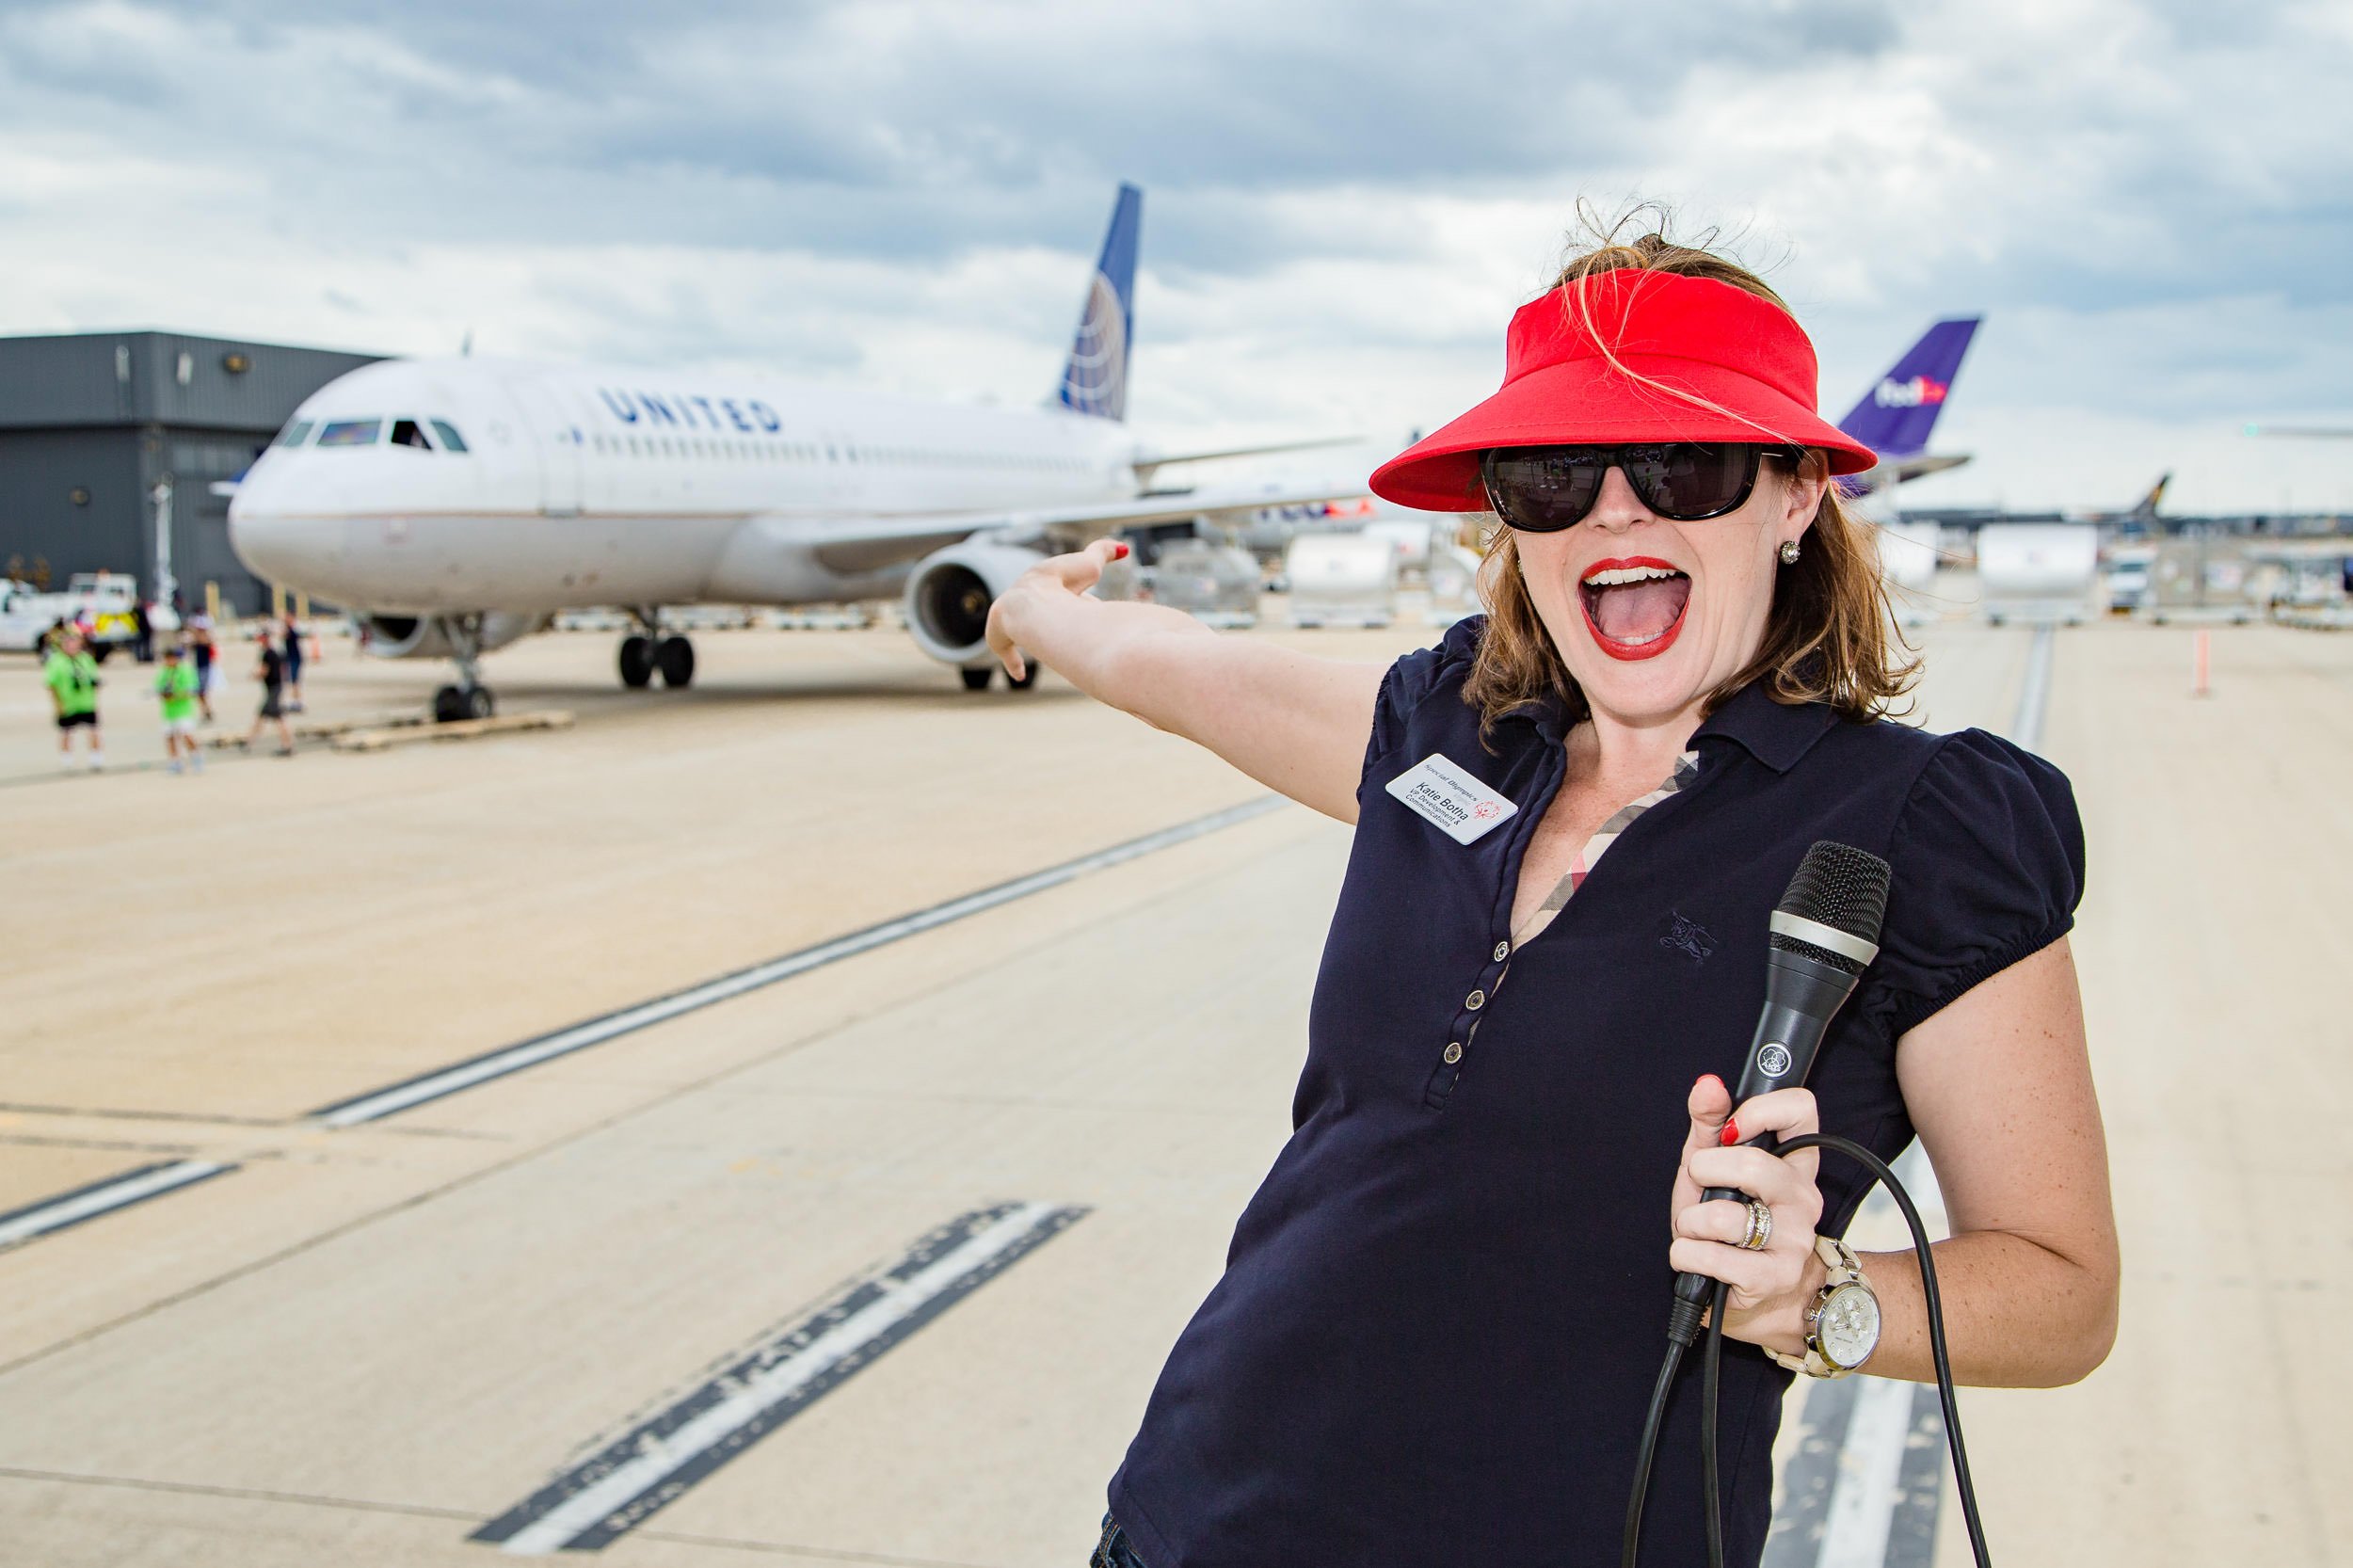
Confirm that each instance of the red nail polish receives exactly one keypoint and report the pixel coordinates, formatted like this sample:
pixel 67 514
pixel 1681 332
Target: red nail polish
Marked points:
pixel 1119 553
pixel 1731 1133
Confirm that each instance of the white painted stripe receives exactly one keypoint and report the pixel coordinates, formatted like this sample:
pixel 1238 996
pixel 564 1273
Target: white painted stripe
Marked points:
pixel 98 1200
pixel 1862 1503
pixel 2034 692
pixel 1859 1527
pixel 663 1458
pixel 596 1030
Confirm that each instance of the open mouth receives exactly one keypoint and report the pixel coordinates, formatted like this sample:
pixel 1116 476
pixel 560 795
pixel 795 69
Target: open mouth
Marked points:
pixel 1634 607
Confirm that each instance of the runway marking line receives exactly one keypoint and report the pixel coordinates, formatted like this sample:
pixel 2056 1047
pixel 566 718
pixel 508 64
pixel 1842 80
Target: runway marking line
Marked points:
pixel 67 1210
pixel 655 1462
pixel 1868 1482
pixel 394 1098
pixel 2034 692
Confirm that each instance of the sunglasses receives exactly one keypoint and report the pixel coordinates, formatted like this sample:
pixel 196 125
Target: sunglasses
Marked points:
pixel 1542 490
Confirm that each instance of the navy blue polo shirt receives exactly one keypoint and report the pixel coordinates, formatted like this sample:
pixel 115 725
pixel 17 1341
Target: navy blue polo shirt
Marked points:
pixel 1442 1312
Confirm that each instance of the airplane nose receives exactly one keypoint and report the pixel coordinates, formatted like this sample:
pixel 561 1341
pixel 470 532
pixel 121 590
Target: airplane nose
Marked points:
pixel 298 552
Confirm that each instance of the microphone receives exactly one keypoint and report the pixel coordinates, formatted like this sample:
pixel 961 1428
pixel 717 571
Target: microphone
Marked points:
pixel 1825 933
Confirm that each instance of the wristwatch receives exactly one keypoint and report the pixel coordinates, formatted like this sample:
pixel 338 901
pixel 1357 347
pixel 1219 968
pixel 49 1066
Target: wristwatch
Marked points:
pixel 1842 1327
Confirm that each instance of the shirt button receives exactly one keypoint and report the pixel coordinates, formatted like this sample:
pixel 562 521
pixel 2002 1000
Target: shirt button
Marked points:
pixel 1503 951
pixel 1453 1052
pixel 1476 1001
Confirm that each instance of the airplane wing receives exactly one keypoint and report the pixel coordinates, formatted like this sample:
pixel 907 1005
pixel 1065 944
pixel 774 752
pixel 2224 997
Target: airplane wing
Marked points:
pixel 1150 461
pixel 1913 467
pixel 872 544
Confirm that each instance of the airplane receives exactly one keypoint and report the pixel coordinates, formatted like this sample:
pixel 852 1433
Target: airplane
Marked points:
pixel 1895 418
pixel 2141 518
pixel 455 505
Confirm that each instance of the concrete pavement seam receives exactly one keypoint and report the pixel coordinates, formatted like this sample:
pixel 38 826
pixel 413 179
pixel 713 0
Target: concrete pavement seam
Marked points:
pixel 520 1157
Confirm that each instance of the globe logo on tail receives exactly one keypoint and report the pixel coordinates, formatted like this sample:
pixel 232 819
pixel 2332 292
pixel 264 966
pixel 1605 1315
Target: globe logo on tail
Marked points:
pixel 1095 379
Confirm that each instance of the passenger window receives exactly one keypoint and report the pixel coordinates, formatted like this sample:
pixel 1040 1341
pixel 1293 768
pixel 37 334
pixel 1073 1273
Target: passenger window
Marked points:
pixel 352 432
pixel 294 434
pixel 451 440
pixel 406 432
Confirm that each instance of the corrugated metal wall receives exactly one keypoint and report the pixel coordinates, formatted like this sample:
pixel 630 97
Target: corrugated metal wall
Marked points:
pixel 108 413
pixel 134 378
pixel 39 519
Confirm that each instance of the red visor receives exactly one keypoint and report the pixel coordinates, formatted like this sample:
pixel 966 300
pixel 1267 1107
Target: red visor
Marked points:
pixel 1703 362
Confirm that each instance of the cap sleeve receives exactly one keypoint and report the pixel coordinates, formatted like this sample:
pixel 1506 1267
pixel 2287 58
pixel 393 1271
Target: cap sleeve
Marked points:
pixel 1411 680
pixel 1989 865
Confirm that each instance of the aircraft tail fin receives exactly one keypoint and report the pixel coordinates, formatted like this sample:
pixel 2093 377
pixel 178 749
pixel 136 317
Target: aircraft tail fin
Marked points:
pixel 2146 510
pixel 1894 417
pixel 1095 377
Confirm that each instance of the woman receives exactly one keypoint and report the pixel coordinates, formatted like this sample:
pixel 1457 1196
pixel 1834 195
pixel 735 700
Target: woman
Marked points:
pixel 1443 1310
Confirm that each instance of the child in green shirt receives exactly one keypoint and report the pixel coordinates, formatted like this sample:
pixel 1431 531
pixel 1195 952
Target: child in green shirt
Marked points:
pixel 175 686
pixel 71 676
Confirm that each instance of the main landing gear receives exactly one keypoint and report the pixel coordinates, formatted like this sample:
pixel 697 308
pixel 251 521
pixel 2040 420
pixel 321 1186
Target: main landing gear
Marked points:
pixel 469 698
pixel 978 679
pixel 648 653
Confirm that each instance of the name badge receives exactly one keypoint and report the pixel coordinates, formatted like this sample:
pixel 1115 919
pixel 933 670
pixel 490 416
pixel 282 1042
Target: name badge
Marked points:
pixel 1463 808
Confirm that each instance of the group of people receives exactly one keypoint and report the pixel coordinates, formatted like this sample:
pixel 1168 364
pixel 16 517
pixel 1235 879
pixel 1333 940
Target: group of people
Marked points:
pixel 183 690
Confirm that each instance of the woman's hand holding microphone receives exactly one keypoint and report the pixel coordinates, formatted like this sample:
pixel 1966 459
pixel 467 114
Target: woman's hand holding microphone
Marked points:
pixel 1773 1278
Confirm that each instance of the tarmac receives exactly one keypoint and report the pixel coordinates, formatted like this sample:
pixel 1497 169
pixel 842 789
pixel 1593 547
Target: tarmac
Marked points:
pixel 866 1244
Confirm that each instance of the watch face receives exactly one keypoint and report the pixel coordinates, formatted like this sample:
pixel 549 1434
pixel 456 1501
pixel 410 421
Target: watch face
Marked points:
pixel 1848 1327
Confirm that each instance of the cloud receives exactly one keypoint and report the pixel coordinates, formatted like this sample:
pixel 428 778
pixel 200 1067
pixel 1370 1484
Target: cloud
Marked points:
pixel 1345 201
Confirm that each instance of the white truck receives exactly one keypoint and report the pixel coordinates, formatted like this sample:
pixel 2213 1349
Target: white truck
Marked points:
pixel 1341 580
pixel 103 600
pixel 2037 572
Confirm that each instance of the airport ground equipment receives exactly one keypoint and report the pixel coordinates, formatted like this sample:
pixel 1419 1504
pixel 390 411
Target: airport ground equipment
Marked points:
pixel 1908 562
pixel 2299 576
pixel 1341 580
pixel 1215 584
pixel 1411 534
pixel 2130 578
pixel 103 601
pixel 2200 576
pixel 2036 573
pixel 1453 576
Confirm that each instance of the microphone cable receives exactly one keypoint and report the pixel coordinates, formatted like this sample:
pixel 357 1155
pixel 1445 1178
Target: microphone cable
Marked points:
pixel 1682 1329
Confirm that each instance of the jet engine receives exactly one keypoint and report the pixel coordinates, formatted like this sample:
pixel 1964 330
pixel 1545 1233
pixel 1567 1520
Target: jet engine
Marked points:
pixel 949 594
pixel 422 637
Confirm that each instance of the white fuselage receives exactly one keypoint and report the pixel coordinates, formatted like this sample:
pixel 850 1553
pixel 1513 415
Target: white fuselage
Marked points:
pixel 580 487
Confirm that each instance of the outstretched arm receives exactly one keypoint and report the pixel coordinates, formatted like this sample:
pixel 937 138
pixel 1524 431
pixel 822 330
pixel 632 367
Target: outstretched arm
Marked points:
pixel 1295 723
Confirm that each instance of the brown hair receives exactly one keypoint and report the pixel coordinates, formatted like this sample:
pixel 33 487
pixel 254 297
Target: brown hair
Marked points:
pixel 1830 637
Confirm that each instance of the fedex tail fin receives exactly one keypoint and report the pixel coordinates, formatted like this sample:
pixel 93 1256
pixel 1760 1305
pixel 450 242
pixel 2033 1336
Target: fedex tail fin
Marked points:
pixel 1094 379
pixel 1894 417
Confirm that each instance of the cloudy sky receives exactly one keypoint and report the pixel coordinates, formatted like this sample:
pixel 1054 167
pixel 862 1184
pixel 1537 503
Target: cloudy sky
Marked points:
pixel 2151 202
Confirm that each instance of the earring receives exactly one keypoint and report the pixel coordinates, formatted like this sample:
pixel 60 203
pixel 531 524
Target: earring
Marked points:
pixel 1788 553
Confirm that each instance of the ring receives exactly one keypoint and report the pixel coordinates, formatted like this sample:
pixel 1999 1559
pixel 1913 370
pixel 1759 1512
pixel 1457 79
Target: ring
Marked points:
pixel 1760 1226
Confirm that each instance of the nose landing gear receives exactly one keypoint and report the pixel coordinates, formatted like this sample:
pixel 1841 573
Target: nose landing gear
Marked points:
pixel 469 698
pixel 452 703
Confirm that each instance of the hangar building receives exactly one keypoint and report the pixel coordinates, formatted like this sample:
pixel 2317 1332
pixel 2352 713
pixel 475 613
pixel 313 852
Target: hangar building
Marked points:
pixel 90 420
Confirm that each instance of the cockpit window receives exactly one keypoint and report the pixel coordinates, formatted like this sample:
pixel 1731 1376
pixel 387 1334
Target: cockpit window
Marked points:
pixel 352 432
pixel 294 434
pixel 407 432
pixel 451 440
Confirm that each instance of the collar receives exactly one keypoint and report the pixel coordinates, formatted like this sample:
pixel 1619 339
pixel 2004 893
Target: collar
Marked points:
pixel 1777 734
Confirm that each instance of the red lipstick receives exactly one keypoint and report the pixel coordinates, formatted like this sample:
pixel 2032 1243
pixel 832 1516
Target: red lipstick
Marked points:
pixel 1631 651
